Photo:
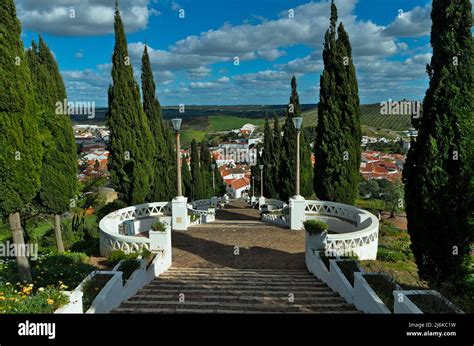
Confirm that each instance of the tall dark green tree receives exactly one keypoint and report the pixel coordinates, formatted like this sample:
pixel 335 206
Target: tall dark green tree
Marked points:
pixel 288 149
pixel 439 171
pixel 306 169
pixel 21 152
pixel 338 133
pixel 59 167
pixel 277 154
pixel 271 166
pixel 131 155
pixel 205 162
pixel 198 189
pixel 162 162
pixel 186 177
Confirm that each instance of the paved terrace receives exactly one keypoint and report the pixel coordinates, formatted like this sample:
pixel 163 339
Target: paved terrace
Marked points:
pixel 261 246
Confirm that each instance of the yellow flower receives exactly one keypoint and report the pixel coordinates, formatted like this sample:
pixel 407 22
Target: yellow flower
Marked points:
pixel 50 301
pixel 2 298
pixel 62 287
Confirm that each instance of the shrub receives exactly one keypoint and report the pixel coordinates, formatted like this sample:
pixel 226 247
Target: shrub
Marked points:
pixel 315 226
pixel 389 255
pixel 110 207
pixel 92 288
pixel 127 267
pixel 383 286
pixel 159 226
pixel 118 255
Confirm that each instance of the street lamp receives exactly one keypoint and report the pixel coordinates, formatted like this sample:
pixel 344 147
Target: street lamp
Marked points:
pixel 177 127
pixel 213 167
pixel 261 180
pixel 298 121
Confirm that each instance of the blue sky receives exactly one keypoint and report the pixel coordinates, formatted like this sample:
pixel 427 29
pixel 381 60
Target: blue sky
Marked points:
pixel 192 57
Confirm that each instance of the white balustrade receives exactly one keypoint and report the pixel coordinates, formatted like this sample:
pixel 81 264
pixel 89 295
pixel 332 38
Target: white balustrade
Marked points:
pixel 111 239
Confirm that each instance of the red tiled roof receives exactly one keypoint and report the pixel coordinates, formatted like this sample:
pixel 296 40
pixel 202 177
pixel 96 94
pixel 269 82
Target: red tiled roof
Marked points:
pixel 240 183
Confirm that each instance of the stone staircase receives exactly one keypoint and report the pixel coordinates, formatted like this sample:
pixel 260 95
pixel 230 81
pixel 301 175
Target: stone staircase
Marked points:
pixel 224 290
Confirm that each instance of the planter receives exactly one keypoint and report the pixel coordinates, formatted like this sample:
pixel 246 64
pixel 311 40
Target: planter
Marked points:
pixel 365 297
pixel 404 305
pixel 160 240
pixel 316 241
pixel 109 297
pixel 339 282
pixel 137 280
pixel 316 266
pixel 75 303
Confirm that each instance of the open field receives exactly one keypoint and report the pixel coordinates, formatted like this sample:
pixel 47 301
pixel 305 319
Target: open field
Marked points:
pixel 226 123
pixel 370 117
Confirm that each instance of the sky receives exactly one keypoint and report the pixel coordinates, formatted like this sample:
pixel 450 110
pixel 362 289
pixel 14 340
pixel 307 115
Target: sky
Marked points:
pixel 193 58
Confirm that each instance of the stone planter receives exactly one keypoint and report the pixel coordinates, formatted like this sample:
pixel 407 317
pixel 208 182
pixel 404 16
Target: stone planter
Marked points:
pixel 109 297
pixel 160 240
pixel 403 304
pixel 316 241
pixel 338 281
pixel 137 280
pixel 316 266
pixel 75 303
pixel 365 298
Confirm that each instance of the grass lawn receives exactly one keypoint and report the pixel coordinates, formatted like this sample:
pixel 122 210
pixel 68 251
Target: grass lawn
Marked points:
pixel 188 135
pixel 227 123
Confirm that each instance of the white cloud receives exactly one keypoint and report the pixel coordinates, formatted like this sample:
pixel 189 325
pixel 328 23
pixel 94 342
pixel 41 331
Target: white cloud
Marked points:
pixel 414 23
pixel 90 17
pixel 224 79
pixel 199 73
pixel 79 55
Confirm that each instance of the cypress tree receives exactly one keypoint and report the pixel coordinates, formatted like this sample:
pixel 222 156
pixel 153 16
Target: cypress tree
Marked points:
pixel 288 150
pixel 306 168
pixel 59 167
pixel 161 178
pixel 131 155
pixel 277 153
pixel 21 152
pixel 205 162
pixel 268 159
pixel 186 176
pixel 338 133
pixel 439 172
pixel 197 191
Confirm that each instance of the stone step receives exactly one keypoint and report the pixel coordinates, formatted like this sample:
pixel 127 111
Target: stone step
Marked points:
pixel 239 271
pixel 141 310
pixel 228 290
pixel 230 286
pixel 238 306
pixel 250 292
pixel 220 299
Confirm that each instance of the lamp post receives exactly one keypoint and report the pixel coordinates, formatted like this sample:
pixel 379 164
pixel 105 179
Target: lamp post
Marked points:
pixel 261 180
pixel 298 121
pixel 177 127
pixel 213 167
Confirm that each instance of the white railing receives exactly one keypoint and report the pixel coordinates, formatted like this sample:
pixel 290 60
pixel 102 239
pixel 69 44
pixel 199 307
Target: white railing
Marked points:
pixel 276 218
pixel 201 203
pixel 363 241
pixel 275 202
pixel 111 239
pixel 202 216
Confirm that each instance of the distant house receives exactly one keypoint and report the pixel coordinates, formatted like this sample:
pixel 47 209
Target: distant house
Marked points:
pixel 239 187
